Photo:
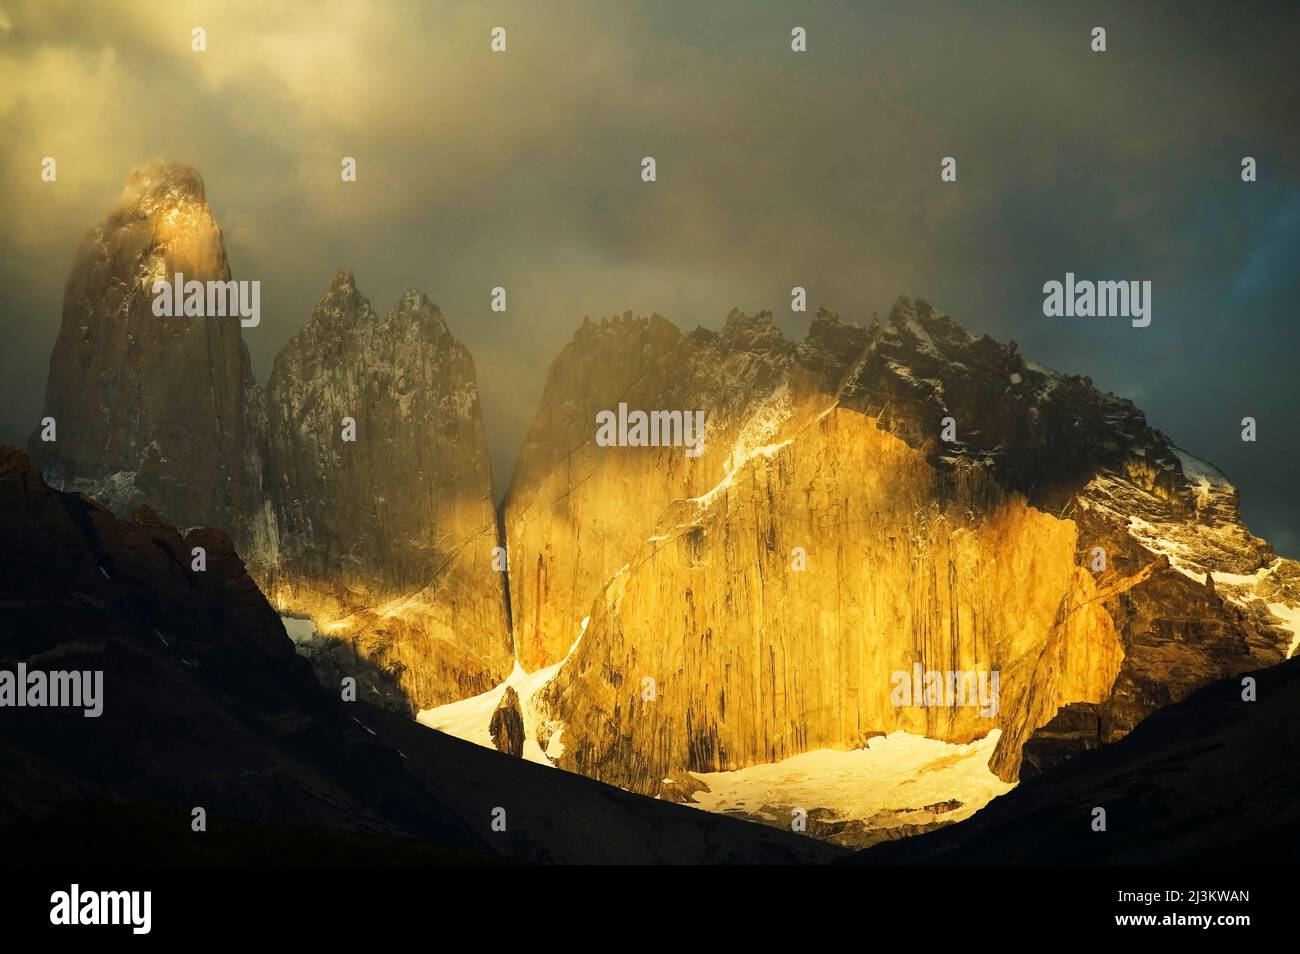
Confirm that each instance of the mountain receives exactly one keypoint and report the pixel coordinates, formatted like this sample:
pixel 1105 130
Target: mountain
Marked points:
pixel 754 602
pixel 204 701
pixel 865 516
pixel 151 408
pixel 205 704
pixel 384 541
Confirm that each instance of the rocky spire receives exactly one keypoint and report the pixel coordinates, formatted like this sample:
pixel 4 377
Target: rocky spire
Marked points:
pixel 381 487
pixel 148 408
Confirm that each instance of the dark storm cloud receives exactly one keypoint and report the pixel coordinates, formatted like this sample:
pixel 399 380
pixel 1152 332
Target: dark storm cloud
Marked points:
pixel 775 169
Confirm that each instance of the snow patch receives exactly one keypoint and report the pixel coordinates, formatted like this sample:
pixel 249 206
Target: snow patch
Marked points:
pixel 471 719
pixel 924 343
pixel 762 424
pixel 1199 472
pixel 766 450
pixel 898 774
pixel 299 630
pixel 1290 617
pixel 1204 478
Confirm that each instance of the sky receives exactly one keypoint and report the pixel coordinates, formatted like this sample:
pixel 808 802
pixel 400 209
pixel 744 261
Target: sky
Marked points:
pixel 774 169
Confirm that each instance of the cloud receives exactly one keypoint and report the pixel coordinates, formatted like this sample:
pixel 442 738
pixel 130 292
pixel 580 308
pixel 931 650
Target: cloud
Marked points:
pixel 775 169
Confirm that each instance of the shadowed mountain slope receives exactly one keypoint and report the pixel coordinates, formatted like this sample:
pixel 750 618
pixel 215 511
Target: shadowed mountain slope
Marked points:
pixel 205 704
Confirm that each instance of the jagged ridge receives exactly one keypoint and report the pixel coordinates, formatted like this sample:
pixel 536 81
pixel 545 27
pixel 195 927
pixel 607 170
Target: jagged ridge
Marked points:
pixel 977 551
pixel 385 542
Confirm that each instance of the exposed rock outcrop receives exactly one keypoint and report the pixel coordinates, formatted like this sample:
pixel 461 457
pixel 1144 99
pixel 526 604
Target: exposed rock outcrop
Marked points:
pixel 576 512
pixel 830 537
pixel 385 541
pixel 507 725
pixel 387 531
pixel 549 493
pixel 153 409
pixel 866 502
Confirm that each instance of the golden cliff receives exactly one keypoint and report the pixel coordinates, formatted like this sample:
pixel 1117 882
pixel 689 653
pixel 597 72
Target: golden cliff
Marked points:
pixel 865 503
pixel 757 601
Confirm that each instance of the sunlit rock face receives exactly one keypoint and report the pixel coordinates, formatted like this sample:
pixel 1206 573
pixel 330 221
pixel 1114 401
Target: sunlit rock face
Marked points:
pixel 755 602
pixel 755 661
pixel 162 410
pixel 575 511
pixel 387 540
pixel 549 493
pixel 747 603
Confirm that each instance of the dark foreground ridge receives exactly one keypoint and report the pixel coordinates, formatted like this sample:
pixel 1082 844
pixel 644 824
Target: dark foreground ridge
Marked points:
pixel 1210 780
pixel 205 704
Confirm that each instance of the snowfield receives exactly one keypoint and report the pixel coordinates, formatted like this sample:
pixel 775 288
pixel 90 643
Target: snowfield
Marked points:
pixel 898 780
